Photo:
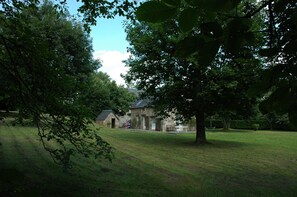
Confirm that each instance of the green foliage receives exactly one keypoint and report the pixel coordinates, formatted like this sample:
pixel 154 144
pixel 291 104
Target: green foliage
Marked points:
pixel 103 93
pixel 269 52
pixel 238 34
pixel 212 29
pixel 155 11
pixel 193 73
pixel 209 48
pixel 173 3
pixel 271 122
pixel 249 124
pixel 213 123
pixel 279 78
pixel 47 60
pixel 233 25
pixel 255 126
pixel 188 19
pixel 91 9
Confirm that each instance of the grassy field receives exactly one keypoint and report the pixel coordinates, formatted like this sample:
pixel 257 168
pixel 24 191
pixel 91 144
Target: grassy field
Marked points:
pixel 236 163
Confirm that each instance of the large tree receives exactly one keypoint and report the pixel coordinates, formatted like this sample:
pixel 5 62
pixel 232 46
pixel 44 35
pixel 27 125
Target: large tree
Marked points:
pixel 279 82
pixel 280 32
pixel 192 86
pixel 46 61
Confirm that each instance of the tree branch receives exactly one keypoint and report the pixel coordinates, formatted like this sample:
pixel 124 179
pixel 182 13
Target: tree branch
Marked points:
pixel 252 13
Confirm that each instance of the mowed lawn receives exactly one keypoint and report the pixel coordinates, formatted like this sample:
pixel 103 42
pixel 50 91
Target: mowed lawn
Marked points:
pixel 235 163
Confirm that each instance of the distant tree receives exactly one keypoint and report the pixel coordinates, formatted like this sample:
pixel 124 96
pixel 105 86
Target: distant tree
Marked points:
pixel 46 59
pixel 103 93
pixel 120 98
pixel 235 76
pixel 280 78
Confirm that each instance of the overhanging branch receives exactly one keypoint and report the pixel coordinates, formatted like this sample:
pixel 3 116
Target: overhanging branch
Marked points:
pixel 252 13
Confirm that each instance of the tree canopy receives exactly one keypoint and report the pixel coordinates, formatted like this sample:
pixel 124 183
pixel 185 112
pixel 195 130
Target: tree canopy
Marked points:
pixel 190 86
pixel 46 61
pixel 90 9
pixel 280 77
pixel 234 33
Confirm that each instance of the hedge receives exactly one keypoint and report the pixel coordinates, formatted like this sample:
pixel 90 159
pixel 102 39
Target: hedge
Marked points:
pixel 251 124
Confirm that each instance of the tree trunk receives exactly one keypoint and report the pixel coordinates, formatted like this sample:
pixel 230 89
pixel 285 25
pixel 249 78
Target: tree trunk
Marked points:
pixel 200 128
pixel 270 124
pixel 226 123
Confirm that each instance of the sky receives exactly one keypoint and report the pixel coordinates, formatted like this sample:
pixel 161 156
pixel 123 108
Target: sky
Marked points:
pixel 109 44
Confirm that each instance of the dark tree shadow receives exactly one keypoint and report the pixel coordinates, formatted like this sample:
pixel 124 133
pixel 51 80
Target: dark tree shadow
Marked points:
pixel 181 140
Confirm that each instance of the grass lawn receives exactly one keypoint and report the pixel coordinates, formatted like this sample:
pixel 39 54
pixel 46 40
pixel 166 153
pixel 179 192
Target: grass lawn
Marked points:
pixel 236 163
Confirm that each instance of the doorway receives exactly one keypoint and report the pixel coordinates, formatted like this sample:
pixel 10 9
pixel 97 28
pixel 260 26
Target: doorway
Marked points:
pixel 113 123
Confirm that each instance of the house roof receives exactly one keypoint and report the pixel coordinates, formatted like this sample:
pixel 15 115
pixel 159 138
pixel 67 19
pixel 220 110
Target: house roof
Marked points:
pixel 134 91
pixel 104 114
pixel 141 104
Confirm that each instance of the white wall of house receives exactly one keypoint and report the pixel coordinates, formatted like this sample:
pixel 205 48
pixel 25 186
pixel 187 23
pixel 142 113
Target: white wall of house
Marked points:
pixel 145 118
pixel 108 121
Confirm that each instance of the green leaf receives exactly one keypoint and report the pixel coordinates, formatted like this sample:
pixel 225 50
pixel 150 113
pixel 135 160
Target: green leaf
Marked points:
pixel 188 19
pixel 174 3
pixel 214 5
pixel 293 116
pixel 212 29
pixel 194 3
pixel 267 80
pixel 205 49
pixel 233 44
pixel 188 46
pixel 239 25
pixel 249 37
pixel 280 6
pixel 208 53
pixel 237 34
pixel 290 47
pixel 224 4
pixel 268 52
pixel 257 89
pixel 281 100
pixel 265 107
pixel 155 11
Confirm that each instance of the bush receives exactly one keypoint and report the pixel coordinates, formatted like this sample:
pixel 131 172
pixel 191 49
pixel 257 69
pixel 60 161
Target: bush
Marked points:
pixel 256 126
pixel 213 124
pixel 252 125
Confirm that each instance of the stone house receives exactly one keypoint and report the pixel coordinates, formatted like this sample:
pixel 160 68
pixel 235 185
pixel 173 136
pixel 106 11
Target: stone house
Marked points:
pixel 107 118
pixel 144 117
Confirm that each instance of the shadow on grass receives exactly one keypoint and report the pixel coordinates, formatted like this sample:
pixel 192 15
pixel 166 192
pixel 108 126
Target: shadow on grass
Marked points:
pixel 230 130
pixel 11 182
pixel 260 183
pixel 178 140
pixel 119 180
pixel 221 144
